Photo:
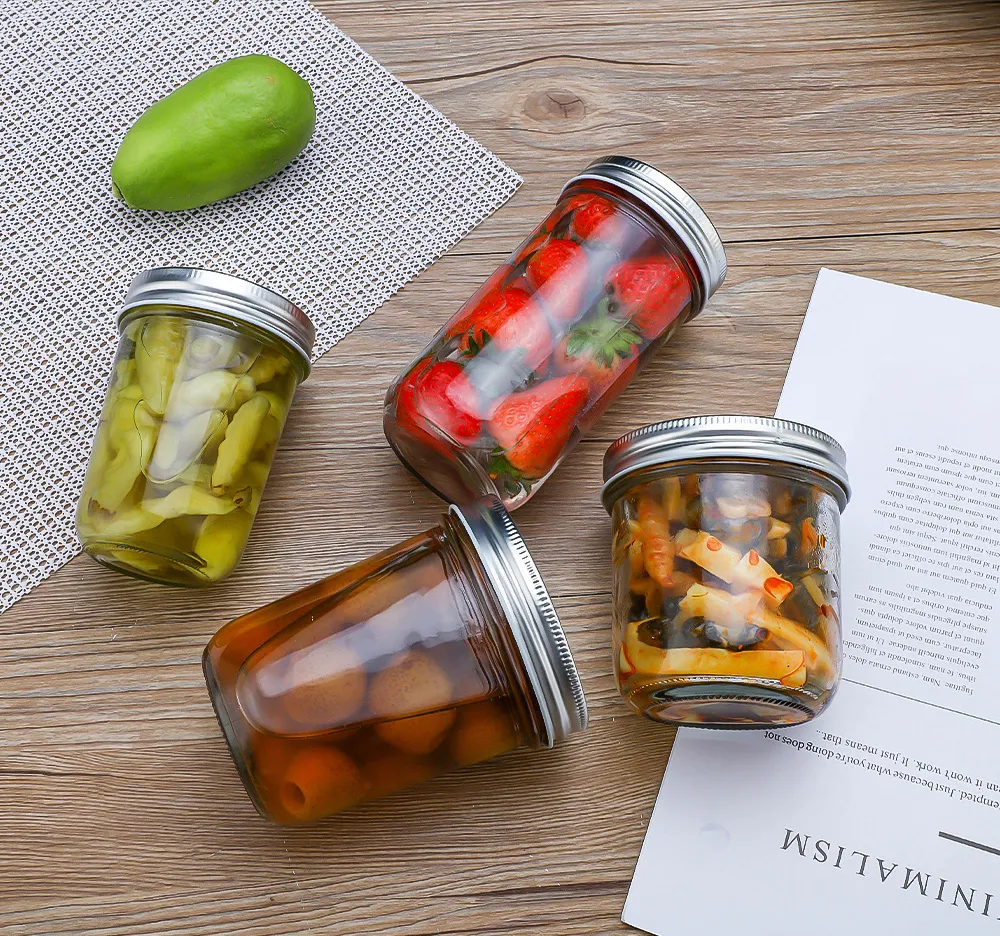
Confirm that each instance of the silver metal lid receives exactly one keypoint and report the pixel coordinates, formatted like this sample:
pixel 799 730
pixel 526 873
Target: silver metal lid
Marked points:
pixel 529 611
pixel 735 438
pixel 219 292
pixel 675 206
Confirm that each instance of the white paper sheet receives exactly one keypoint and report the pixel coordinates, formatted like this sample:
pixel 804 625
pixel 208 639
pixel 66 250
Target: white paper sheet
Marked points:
pixel 883 815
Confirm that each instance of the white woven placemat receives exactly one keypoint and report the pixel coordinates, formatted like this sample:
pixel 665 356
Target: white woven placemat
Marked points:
pixel 385 187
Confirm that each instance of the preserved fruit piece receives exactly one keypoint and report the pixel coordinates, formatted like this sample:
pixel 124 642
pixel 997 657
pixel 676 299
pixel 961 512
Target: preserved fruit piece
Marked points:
pixel 288 689
pixel 391 773
pixel 505 320
pixel 530 428
pixel 483 731
pixel 420 734
pixel 318 781
pixel 442 396
pixel 650 293
pixel 410 683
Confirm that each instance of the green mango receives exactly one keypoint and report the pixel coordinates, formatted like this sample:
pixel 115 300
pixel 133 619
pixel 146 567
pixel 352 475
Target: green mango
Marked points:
pixel 226 129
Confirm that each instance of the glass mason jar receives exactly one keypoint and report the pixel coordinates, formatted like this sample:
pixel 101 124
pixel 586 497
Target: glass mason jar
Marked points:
pixel 726 552
pixel 206 368
pixel 550 340
pixel 441 652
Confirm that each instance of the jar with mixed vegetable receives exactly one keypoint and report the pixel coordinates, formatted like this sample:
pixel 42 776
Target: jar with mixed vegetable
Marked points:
pixel 726 552
pixel 438 653
pixel 205 372
pixel 537 355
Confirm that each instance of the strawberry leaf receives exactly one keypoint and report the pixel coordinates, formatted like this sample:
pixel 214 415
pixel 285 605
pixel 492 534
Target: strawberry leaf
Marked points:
pixel 506 477
pixel 477 343
pixel 603 339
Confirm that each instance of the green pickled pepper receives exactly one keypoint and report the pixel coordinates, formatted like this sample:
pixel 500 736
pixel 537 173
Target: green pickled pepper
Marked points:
pixel 245 387
pixel 120 473
pixel 212 390
pixel 157 353
pixel 279 406
pixel 220 542
pixel 254 475
pixel 192 501
pixel 116 421
pixel 189 501
pixel 129 522
pixel 135 561
pixel 133 435
pixel 207 352
pixel 147 424
pixel 241 438
pixel 197 474
pixel 180 444
pixel 121 416
pixel 268 366
pixel 122 376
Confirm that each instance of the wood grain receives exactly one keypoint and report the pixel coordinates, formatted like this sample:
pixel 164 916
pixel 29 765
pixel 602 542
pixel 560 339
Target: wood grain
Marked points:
pixel 862 136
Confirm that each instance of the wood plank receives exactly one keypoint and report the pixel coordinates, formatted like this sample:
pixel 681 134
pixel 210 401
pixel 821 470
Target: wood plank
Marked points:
pixel 783 118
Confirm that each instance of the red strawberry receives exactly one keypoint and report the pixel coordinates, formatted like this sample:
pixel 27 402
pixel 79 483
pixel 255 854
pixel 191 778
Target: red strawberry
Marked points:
pixel 558 274
pixel 532 427
pixel 439 397
pixel 510 320
pixel 594 219
pixel 530 246
pixel 569 205
pixel 652 292
pixel 622 378
pixel 597 349
pixel 558 257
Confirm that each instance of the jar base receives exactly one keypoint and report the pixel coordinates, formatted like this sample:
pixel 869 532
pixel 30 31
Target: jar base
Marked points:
pixel 455 477
pixel 229 734
pixel 179 570
pixel 722 705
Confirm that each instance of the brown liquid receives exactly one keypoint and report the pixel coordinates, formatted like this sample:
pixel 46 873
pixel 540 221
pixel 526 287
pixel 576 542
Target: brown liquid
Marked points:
pixel 363 684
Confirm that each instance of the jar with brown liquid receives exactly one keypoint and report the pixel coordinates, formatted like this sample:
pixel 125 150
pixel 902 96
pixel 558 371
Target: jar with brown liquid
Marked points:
pixel 438 653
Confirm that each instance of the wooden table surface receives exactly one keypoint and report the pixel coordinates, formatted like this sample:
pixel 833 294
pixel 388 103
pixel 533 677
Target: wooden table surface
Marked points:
pixel 858 134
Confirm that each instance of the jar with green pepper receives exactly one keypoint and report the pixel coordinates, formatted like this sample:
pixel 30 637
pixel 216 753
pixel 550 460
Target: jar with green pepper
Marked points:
pixel 205 372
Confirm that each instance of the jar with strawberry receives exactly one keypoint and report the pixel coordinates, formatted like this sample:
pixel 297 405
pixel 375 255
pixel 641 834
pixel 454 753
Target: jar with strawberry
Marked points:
pixel 536 356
